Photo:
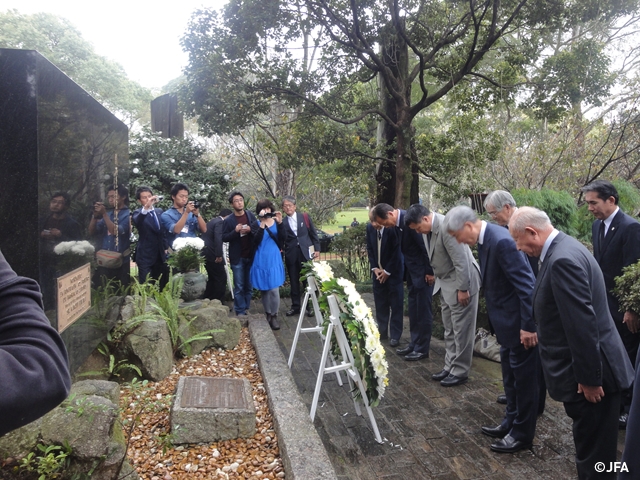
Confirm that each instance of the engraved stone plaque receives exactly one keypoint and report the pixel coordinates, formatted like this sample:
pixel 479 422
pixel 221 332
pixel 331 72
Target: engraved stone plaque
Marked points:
pixel 206 392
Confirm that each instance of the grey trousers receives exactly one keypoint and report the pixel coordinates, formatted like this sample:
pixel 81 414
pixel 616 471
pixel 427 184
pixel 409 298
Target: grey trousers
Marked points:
pixel 459 334
pixel 271 301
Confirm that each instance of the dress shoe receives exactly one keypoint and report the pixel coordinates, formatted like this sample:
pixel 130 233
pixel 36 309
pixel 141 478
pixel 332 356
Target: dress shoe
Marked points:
pixel 502 399
pixel 440 375
pixel 508 444
pixel 495 432
pixel 404 351
pixel 292 312
pixel 383 336
pixel 309 313
pixel 453 381
pixel 394 343
pixel 275 325
pixel 622 421
pixel 413 356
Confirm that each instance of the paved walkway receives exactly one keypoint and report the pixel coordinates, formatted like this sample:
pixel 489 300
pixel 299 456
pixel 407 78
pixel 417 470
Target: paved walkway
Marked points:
pixel 429 431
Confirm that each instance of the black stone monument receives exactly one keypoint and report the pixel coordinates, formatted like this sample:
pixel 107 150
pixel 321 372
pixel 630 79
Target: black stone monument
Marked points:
pixel 54 139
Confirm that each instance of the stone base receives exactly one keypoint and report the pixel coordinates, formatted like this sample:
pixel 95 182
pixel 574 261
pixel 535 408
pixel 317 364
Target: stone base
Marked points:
pixel 208 409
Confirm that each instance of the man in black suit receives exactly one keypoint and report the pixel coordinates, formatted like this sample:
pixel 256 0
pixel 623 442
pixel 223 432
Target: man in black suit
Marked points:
pixel 507 282
pixel 583 358
pixel 214 257
pixel 386 261
pixel 301 245
pixel 630 456
pixel 417 269
pixel 501 205
pixel 151 252
pixel 616 244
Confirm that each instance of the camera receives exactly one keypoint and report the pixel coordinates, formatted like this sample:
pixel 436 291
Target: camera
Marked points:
pixel 196 204
pixel 159 198
pixel 267 215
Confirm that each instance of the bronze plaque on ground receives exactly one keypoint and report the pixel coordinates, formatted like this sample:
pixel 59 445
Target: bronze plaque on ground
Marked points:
pixel 210 392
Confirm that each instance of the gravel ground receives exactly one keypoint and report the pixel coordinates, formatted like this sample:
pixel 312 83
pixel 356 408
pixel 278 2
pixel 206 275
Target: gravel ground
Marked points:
pixel 145 415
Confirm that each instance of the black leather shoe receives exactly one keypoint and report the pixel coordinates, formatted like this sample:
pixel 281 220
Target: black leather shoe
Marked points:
pixel 413 356
pixel 394 343
pixel 508 444
pixel 404 351
pixel 453 381
pixel 502 399
pixel 275 325
pixel 622 421
pixel 292 312
pixel 440 375
pixel 495 432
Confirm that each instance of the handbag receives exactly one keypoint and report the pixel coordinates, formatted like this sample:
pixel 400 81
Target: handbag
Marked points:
pixel 108 259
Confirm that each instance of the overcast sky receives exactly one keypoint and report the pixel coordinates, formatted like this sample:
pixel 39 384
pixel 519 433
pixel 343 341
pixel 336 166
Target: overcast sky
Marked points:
pixel 141 35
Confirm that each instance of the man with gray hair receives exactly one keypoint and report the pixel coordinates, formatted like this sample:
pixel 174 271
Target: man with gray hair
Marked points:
pixel 507 282
pixel 301 245
pixel 584 361
pixel 500 205
pixel 458 279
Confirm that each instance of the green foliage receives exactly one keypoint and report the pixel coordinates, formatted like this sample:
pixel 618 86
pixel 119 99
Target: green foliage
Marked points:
pixel 50 463
pixel 560 206
pixel 62 44
pixel 159 163
pixel 186 259
pixel 627 288
pixel 351 247
pixel 114 369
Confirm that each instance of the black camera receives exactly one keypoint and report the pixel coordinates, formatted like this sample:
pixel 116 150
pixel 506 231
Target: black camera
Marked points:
pixel 196 204
pixel 267 215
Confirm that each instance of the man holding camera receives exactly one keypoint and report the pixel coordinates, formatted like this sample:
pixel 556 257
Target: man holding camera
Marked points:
pixel 151 252
pixel 237 231
pixel 183 219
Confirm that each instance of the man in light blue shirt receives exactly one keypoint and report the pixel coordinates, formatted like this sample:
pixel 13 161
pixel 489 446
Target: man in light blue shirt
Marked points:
pixel 183 219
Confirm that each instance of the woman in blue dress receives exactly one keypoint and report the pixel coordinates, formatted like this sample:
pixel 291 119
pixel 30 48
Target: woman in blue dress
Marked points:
pixel 267 269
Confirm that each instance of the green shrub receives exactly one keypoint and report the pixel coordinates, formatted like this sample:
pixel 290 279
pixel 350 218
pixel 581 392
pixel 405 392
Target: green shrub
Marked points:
pixel 351 247
pixel 560 206
pixel 628 288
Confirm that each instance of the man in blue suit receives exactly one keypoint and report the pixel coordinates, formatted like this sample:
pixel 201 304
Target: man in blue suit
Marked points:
pixel 616 244
pixel 508 283
pixel 386 261
pixel 417 268
pixel 151 252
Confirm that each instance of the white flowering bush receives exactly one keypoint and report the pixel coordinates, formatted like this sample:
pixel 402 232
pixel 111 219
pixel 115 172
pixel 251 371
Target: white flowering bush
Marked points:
pixel 359 326
pixel 186 254
pixel 82 248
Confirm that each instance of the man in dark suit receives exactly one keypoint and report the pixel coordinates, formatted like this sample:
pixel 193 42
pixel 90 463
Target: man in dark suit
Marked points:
pixel 616 244
pixel 301 245
pixel 386 261
pixel 583 358
pixel 214 257
pixel 630 455
pixel 151 252
pixel 507 282
pixel 417 268
pixel 501 205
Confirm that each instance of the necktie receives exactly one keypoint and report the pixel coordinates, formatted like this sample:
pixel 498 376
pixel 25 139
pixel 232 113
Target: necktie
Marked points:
pixel 601 233
pixel 379 245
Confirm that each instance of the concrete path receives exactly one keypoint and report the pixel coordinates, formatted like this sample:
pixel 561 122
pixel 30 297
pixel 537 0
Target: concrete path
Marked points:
pixel 429 431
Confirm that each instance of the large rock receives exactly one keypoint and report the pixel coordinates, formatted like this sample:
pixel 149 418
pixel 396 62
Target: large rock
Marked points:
pixel 148 346
pixel 210 315
pixel 21 441
pixel 86 424
pixel 101 388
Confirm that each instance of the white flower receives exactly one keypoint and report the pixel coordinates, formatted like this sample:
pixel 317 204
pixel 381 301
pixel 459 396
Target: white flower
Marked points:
pixel 182 242
pixel 360 311
pixel 76 247
pixel 323 271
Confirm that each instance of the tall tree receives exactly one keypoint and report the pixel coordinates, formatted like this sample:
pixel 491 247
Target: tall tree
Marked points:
pixel 244 58
pixel 62 44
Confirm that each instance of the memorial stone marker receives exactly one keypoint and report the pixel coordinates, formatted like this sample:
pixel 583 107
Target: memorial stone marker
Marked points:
pixel 57 156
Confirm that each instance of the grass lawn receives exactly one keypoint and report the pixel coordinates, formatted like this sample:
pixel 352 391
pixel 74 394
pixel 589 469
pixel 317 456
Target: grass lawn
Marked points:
pixel 345 218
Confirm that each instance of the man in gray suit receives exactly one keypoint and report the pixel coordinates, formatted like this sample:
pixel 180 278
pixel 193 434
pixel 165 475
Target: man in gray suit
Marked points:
pixel 457 276
pixel 584 361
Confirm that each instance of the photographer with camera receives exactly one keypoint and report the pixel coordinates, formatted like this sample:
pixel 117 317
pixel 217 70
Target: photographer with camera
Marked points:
pixel 267 270
pixel 183 219
pixel 238 232
pixel 151 252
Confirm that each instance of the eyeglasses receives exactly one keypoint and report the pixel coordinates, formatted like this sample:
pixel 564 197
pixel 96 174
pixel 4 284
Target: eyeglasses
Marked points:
pixel 495 213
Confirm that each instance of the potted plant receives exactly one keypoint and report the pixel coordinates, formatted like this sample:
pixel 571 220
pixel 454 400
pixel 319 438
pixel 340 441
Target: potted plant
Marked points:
pixel 186 259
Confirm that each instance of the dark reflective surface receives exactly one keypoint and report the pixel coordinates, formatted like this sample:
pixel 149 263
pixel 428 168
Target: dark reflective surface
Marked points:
pixel 57 156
